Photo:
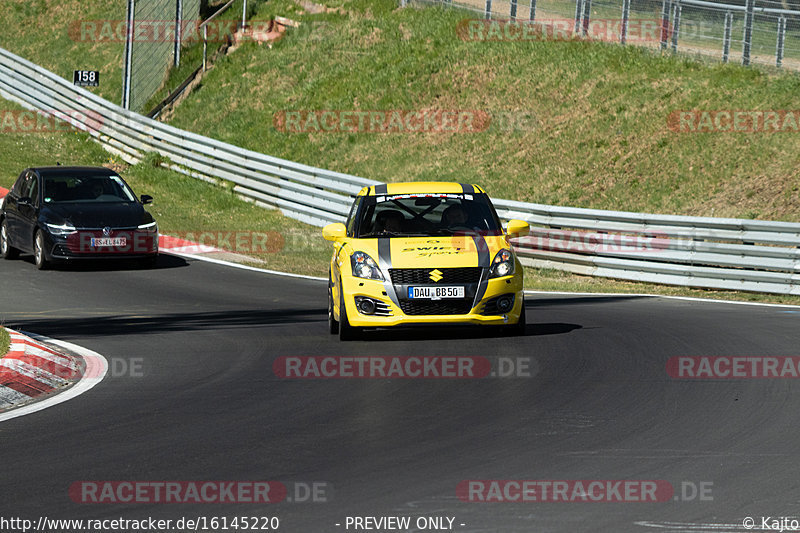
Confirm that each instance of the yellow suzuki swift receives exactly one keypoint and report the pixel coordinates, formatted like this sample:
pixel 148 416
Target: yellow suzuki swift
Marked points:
pixel 423 253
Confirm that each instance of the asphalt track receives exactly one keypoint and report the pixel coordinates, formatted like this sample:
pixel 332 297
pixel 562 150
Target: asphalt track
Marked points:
pixel 205 405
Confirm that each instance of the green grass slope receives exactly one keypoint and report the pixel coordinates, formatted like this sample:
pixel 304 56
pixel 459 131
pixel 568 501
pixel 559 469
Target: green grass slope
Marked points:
pixel 598 138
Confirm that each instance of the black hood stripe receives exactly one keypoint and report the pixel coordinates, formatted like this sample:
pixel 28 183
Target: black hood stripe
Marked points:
pixel 467 188
pixel 483 261
pixel 385 263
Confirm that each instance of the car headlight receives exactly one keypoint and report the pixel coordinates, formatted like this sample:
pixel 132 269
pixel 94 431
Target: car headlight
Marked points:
pixel 61 230
pixel 150 227
pixel 365 267
pixel 503 264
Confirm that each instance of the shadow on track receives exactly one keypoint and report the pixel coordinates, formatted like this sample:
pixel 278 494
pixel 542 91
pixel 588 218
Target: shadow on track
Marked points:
pixel 106 326
pixel 112 265
pixel 532 302
pixel 463 332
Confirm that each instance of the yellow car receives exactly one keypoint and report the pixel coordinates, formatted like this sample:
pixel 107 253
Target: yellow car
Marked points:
pixel 423 253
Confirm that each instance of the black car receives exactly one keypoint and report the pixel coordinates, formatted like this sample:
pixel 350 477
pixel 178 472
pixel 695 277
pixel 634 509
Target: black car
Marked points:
pixel 70 213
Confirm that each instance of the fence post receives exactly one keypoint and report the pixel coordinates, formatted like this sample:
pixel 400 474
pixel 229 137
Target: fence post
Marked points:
pixel 178 32
pixel 244 15
pixel 587 13
pixel 626 11
pixel 488 14
pixel 127 74
pixel 748 32
pixel 664 23
pixel 205 46
pixel 578 12
pixel 532 14
pixel 781 39
pixel 726 37
pixel 513 10
pixel 676 24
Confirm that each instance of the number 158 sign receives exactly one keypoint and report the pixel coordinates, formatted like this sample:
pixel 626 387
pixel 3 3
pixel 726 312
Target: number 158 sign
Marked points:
pixel 86 78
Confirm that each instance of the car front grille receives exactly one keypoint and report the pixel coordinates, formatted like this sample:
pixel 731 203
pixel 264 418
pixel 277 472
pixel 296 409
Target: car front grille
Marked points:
pixel 439 307
pixel 407 276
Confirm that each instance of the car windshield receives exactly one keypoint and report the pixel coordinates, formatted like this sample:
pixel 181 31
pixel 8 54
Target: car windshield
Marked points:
pixel 421 215
pixel 86 189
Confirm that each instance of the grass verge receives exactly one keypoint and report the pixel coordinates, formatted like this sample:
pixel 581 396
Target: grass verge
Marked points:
pixel 189 207
pixel 594 130
pixel 5 341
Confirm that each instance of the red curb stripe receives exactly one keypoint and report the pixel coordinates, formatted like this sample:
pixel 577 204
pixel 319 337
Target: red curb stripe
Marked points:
pixel 59 371
pixel 29 342
pixel 3 191
pixel 23 384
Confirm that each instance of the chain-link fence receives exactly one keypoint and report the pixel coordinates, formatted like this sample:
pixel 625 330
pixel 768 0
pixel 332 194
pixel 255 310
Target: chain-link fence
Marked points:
pixel 764 32
pixel 155 31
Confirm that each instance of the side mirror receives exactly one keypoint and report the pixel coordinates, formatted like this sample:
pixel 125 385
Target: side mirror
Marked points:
pixel 517 227
pixel 146 199
pixel 334 232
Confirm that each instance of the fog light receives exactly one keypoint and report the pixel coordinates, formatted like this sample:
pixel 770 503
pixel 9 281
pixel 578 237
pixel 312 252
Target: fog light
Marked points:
pixel 505 303
pixel 365 306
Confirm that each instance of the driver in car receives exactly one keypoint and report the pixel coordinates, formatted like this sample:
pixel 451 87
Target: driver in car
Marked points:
pixel 454 216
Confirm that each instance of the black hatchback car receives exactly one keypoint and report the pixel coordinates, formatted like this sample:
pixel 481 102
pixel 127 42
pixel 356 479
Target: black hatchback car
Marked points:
pixel 71 213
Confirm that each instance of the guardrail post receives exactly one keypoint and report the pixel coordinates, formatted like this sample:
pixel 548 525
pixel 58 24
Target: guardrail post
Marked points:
pixel 532 14
pixel 488 14
pixel 676 25
pixel 244 14
pixel 781 39
pixel 626 11
pixel 127 74
pixel 747 36
pixel 587 13
pixel 726 37
pixel 664 23
pixel 513 10
pixel 578 13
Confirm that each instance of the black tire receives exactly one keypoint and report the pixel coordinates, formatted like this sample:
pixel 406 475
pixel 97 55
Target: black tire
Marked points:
pixel 333 324
pixel 39 256
pixel 6 250
pixel 518 328
pixel 346 331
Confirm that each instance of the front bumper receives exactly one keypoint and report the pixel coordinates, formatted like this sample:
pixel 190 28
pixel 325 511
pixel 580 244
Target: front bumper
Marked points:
pixel 79 245
pixel 476 312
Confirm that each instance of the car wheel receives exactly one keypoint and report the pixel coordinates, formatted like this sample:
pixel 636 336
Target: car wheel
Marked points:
pixel 346 331
pixel 38 252
pixel 333 324
pixel 6 250
pixel 519 327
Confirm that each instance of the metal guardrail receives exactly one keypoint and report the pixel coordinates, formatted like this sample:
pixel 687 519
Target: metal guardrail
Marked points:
pixel 718 253
pixel 312 195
